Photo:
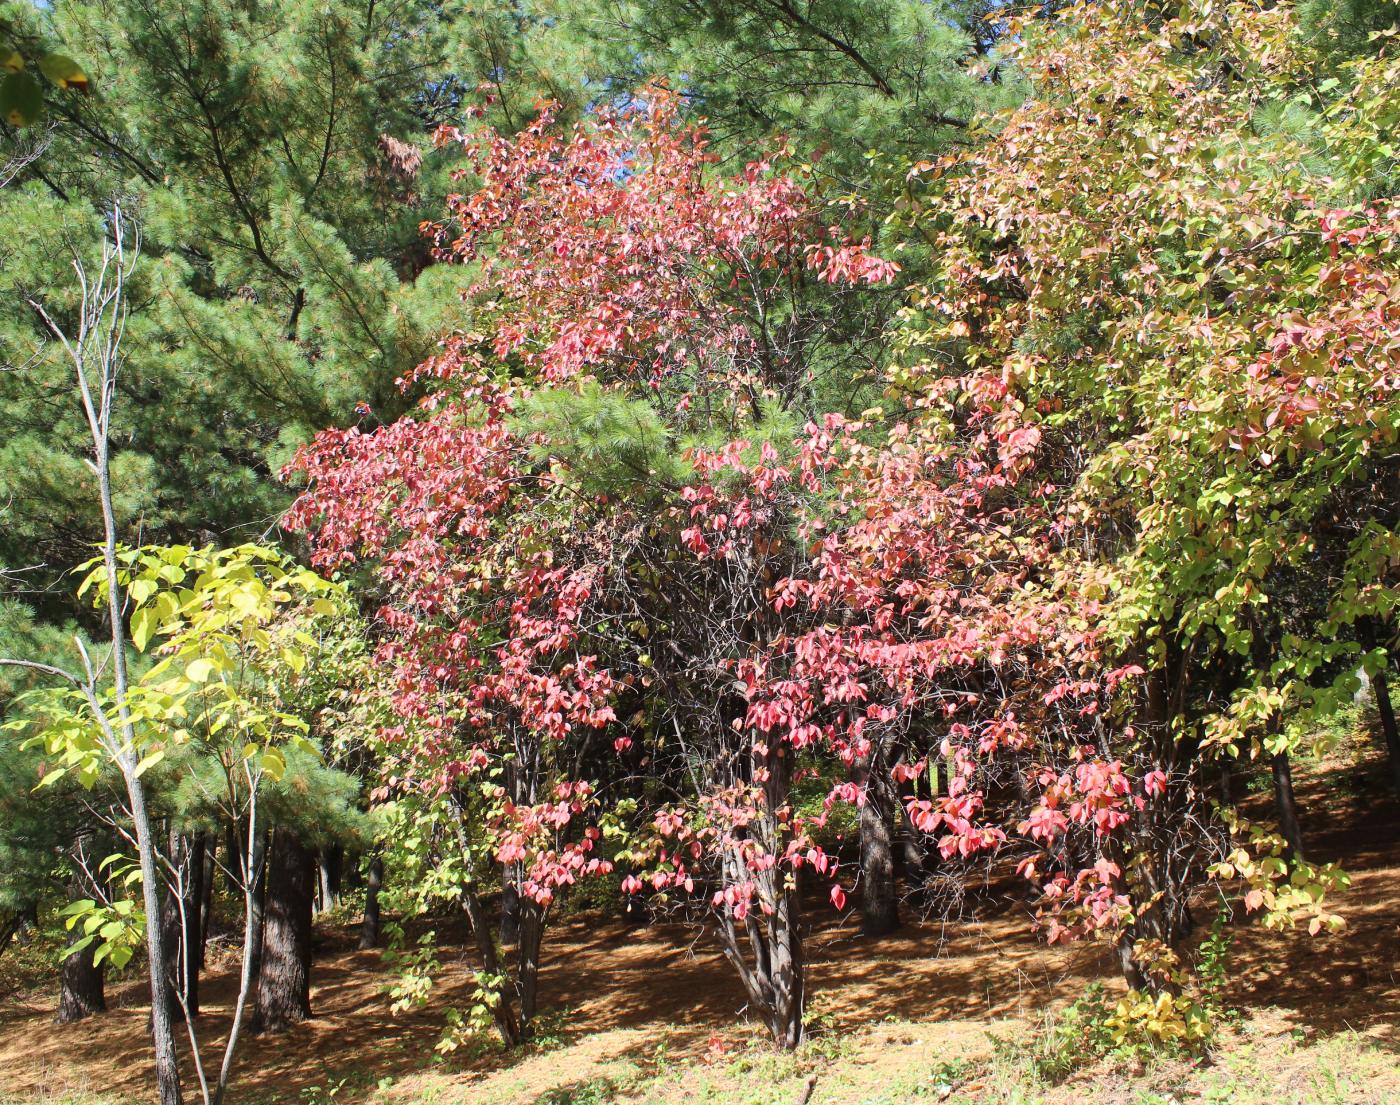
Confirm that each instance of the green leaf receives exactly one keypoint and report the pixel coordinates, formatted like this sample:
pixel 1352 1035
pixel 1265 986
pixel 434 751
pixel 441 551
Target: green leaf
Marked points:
pixel 200 670
pixel 21 100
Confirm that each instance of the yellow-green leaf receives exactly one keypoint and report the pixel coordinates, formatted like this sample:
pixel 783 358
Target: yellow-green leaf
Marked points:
pixel 64 72
pixel 143 624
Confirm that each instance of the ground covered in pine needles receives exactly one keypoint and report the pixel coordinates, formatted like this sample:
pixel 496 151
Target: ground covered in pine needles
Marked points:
pixel 959 1013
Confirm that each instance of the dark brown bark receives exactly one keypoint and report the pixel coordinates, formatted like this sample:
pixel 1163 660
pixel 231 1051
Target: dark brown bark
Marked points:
pixel 504 1010
pixel 193 935
pixel 369 927
pixel 1380 685
pixel 528 961
pixel 510 913
pixel 81 984
pixel 170 935
pixel 206 900
pixel 1288 825
pixel 1132 971
pixel 879 891
pixel 284 974
pixel 231 849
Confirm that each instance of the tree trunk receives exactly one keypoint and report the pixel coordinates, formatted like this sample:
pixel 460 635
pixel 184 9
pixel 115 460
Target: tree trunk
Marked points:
pixel 180 928
pixel 162 1032
pixel 81 984
pixel 170 934
pixel 206 902
pixel 510 909
pixel 1131 969
pixel 504 1009
pixel 1287 809
pixel 369 927
pixel 1380 686
pixel 528 963
pixel 284 976
pixel 231 850
pixel 765 945
pixel 27 924
pixel 879 891
pixel 330 864
pixel 193 936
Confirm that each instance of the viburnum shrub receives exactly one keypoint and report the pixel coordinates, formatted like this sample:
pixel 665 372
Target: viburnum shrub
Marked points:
pixel 1174 269
pixel 575 537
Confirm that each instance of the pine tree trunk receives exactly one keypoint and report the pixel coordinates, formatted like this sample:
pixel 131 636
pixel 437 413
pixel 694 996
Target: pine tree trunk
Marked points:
pixel 206 903
pixel 81 984
pixel 193 936
pixel 369 927
pixel 879 891
pixel 1287 809
pixel 170 934
pixel 284 976
pixel 1380 686
pixel 231 850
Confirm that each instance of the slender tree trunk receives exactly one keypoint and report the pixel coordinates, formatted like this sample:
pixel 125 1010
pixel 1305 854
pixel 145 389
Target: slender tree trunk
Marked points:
pixel 81 984
pixel 252 868
pixel 193 935
pixel 231 863
pixel 96 349
pixel 765 945
pixel 1131 969
pixel 170 934
pixel 162 1032
pixel 369 927
pixel 528 969
pixel 879 891
pixel 1287 809
pixel 1380 687
pixel 510 910
pixel 789 972
pixel 483 932
pixel 206 899
pixel 330 857
pixel 284 978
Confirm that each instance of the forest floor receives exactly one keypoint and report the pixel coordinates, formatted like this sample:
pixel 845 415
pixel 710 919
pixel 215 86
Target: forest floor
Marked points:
pixel 932 1013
